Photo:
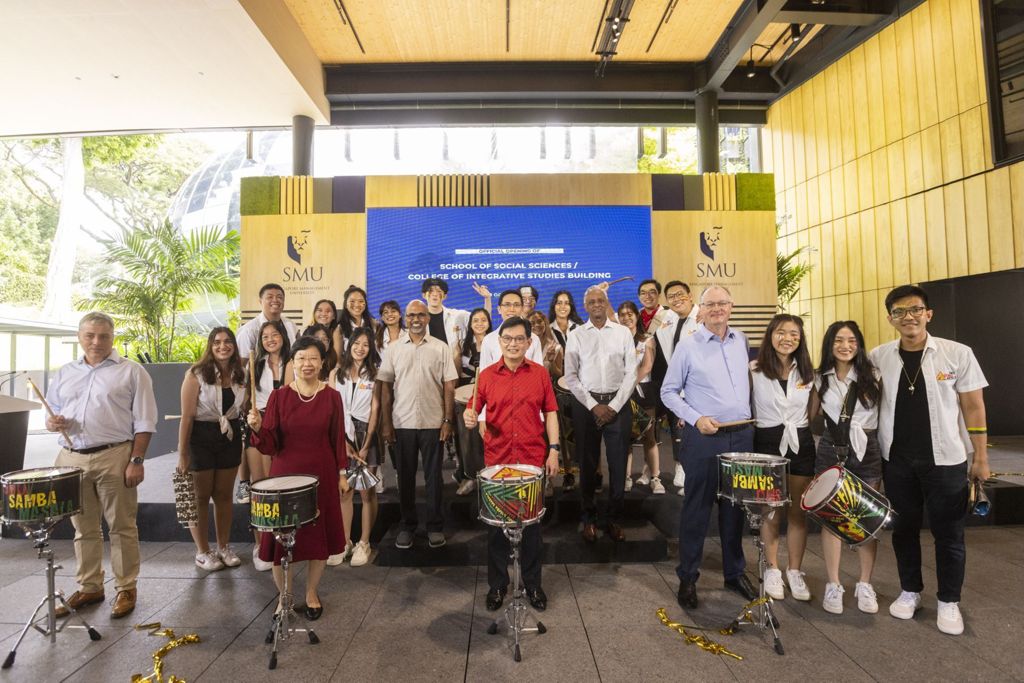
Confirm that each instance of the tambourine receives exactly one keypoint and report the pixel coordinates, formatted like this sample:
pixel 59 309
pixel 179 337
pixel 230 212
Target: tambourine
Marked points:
pixel 977 500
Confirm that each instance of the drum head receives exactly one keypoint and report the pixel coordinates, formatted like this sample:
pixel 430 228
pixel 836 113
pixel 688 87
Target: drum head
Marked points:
pixel 514 471
pixel 753 458
pixel 289 482
pixel 821 487
pixel 40 473
pixel 563 385
pixel 464 394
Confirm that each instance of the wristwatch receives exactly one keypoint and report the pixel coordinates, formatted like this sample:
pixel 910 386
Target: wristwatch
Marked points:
pixel 553 447
pixel 137 460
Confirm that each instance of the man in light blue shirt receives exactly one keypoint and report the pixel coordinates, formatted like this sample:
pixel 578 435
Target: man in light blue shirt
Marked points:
pixel 710 369
pixel 105 405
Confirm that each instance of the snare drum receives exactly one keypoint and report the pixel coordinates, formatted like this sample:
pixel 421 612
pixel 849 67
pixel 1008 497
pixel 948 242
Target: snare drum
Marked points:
pixel 845 505
pixel 41 496
pixel 283 503
pixel 753 479
pixel 464 394
pixel 510 495
pixel 561 387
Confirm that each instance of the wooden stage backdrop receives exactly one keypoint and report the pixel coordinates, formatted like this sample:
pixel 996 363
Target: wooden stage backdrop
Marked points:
pixel 309 234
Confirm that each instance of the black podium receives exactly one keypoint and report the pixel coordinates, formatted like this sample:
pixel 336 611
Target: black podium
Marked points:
pixel 14 427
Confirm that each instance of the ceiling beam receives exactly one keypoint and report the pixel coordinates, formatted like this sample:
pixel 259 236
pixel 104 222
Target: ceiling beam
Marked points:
pixel 819 16
pixel 743 31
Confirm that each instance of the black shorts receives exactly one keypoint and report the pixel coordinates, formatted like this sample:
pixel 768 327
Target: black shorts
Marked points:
pixel 869 468
pixel 211 450
pixel 373 458
pixel 801 464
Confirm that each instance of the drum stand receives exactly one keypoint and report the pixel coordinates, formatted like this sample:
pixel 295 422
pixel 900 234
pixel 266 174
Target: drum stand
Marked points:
pixel 281 628
pixel 517 613
pixel 762 614
pixel 43 549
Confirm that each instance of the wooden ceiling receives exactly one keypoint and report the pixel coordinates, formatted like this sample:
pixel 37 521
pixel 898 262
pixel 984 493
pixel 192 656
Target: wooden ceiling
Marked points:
pixel 412 31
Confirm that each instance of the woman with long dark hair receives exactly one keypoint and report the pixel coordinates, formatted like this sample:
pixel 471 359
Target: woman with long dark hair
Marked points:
pixel 469 445
pixel 563 316
pixel 210 442
pixel 303 430
pixel 323 335
pixel 325 313
pixel 847 391
pixel 360 395
pixel 782 383
pixel 353 314
pixel 391 327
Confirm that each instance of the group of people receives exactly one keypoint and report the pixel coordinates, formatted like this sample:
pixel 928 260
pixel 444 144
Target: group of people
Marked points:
pixel 551 391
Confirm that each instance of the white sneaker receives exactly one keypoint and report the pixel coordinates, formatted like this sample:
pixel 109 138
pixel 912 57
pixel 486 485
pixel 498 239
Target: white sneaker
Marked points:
pixel 905 605
pixel 361 555
pixel 629 484
pixel 867 600
pixel 797 585
pixel 833 601
pixel 258 564
pixel 228 556
pixel 645 477
pixel 466 487
pixel 380 483
pixel 656 486
pixel 773 585
pixel 679 480
pixel 950 621
pixel 209 561
pixel 339 558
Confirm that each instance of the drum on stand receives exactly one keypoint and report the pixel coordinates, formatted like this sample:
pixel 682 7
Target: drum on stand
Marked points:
pixel 510 495
pixel 844 504
pixel 464 394
pixel 42 496
pixel 283 503
pixel 753 479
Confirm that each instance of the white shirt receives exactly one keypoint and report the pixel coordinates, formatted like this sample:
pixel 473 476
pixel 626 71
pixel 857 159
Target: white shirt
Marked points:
pixel 832 403
pixel 210 402
pixel 266 383
pixel 356 398
pixel 388 340
pixel 664 335
pixel 949 369
pixel 456 323
pixel 248 334
pixel 601 360
pixel 774 407
pixel 104 404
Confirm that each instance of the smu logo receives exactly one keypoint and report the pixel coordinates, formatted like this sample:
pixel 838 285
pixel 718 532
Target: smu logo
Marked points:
pixel 709 240
pixel 296 245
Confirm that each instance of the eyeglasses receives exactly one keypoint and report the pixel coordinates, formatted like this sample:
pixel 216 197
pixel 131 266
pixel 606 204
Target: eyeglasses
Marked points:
pixel 512 340
pixel 677 296
pixel 716 304
pixel 916 311
pixel 511 304
pixel 648 292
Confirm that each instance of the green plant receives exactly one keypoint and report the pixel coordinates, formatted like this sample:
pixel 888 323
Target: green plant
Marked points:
pixel 789 272
pixel 158 271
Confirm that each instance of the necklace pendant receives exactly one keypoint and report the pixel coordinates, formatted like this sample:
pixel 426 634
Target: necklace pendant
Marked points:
pixel 910 387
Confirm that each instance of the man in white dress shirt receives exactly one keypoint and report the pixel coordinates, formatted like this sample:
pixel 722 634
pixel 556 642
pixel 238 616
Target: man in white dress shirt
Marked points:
pixel 272 304
pixel 600 371
pixel 105 404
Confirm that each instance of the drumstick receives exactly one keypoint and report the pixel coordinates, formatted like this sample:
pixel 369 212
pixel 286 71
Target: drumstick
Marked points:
pixel 172 417
pixel 49 410
pixel 472 401
pixel 621 279
pixel 252 379
pixel 735 423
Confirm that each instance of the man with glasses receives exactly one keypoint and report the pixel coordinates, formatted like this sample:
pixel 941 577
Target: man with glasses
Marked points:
pixel 931 417
pixel 710 368
pixel 522 430
pixel 680 323
pixel 417 379
pixel 648 292
pixel 600 371
pixel 510 305
pixel 530 296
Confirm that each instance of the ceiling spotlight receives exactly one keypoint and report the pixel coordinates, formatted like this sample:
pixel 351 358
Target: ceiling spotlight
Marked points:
pixel 750 69
pixel 794 32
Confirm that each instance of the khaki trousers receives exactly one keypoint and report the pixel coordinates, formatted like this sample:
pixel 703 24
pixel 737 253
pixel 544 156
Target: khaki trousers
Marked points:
pixel 104 494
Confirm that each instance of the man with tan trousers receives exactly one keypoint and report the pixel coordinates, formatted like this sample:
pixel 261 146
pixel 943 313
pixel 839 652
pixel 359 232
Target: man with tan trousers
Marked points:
pixel 104 403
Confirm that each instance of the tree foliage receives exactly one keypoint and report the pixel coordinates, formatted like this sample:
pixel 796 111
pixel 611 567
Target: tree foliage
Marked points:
pixel 790 270
pixel 157 272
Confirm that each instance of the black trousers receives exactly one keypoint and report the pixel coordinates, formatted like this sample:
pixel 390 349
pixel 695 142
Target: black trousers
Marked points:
pixel 499 556
pixel 914 486
pixel 616 436
pixel 410 445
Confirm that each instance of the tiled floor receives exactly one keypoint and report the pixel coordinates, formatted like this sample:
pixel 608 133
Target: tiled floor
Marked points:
pixel 414 624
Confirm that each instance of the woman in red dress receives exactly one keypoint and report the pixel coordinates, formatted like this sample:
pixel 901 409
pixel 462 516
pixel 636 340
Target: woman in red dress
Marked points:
pixel 303 430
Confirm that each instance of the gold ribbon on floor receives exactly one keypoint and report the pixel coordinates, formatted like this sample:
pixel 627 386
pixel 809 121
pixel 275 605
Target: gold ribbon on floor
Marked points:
pixel 996 475
pixel 157 675
pixel 701 641
pixel 731 628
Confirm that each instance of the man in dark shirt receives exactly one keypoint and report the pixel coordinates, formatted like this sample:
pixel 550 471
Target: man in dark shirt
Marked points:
pixel 516 392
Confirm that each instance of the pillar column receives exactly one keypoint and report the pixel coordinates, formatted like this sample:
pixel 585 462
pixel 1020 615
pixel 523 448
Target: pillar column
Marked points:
pixel 707 131
pixel 302 145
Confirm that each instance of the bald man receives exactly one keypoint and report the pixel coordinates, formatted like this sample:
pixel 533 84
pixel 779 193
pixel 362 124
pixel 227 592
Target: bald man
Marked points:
pixel 417 380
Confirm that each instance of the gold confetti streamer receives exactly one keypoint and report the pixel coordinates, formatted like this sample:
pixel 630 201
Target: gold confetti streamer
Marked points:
pixel 157 675
pixel 699 640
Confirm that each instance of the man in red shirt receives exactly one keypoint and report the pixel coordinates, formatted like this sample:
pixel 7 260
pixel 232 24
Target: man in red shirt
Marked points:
pixel 516 392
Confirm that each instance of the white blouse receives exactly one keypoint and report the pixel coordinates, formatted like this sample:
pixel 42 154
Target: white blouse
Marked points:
pixel 832 403
pixel 208 407
pixel 774 407
pixel 266 385
pixel 356 398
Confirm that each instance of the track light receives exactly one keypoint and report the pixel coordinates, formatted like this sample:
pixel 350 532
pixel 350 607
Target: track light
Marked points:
pixel 794 32
pixel 750 69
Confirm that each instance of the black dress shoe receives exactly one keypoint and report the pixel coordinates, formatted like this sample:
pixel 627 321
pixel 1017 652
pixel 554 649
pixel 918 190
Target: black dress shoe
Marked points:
pixel 538 598
pixel 687 595
pixel 495 597
pixel 741 584
pixel 313 613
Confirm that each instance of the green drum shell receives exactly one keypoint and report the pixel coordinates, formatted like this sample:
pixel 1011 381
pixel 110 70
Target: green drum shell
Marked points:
pixel 41 496
pixel 512 501
pixel 285 508
pixel 768 472
pixel 853 511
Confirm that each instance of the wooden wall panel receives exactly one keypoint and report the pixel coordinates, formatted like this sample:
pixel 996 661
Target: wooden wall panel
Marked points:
pixel 968 87
pixel 835 143
pixel 879 177
pixel 943 56
pixel 828 261
pixel 1017 202
pixel 931 157
pixel 918 238
pixel 865 182
pixel 841 261
pixel 883 246
pixel 1000 219
pixel 935 234
pixel 847 131
pixel 907 67
pixel 925 66
pixel 912 163
pixel 390 191
pixel 868 252
pixel 628 189
pixel 897 170
pixel 890 83
pixel 976 211
pixel 952 156
pixel 874 76
pixel 956 229
pixel 822 130
pixel 799 137
pixel 815 278
pixel 858 94
pixel 973 140
pixel 810 132
pixel 825 197
pixel 855 263
pixel 900 242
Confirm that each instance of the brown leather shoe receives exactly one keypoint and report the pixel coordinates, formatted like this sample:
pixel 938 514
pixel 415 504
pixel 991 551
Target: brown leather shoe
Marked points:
pixel 616 533
pixel 124 604
pixel 78 600
pixel 590 533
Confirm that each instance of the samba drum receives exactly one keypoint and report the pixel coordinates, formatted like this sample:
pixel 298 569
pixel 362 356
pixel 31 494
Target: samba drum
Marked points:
pixel 464 394
pixel 41 496
pixel 845 505
pixel 510 495
pixel 753 479
pixel 283 503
